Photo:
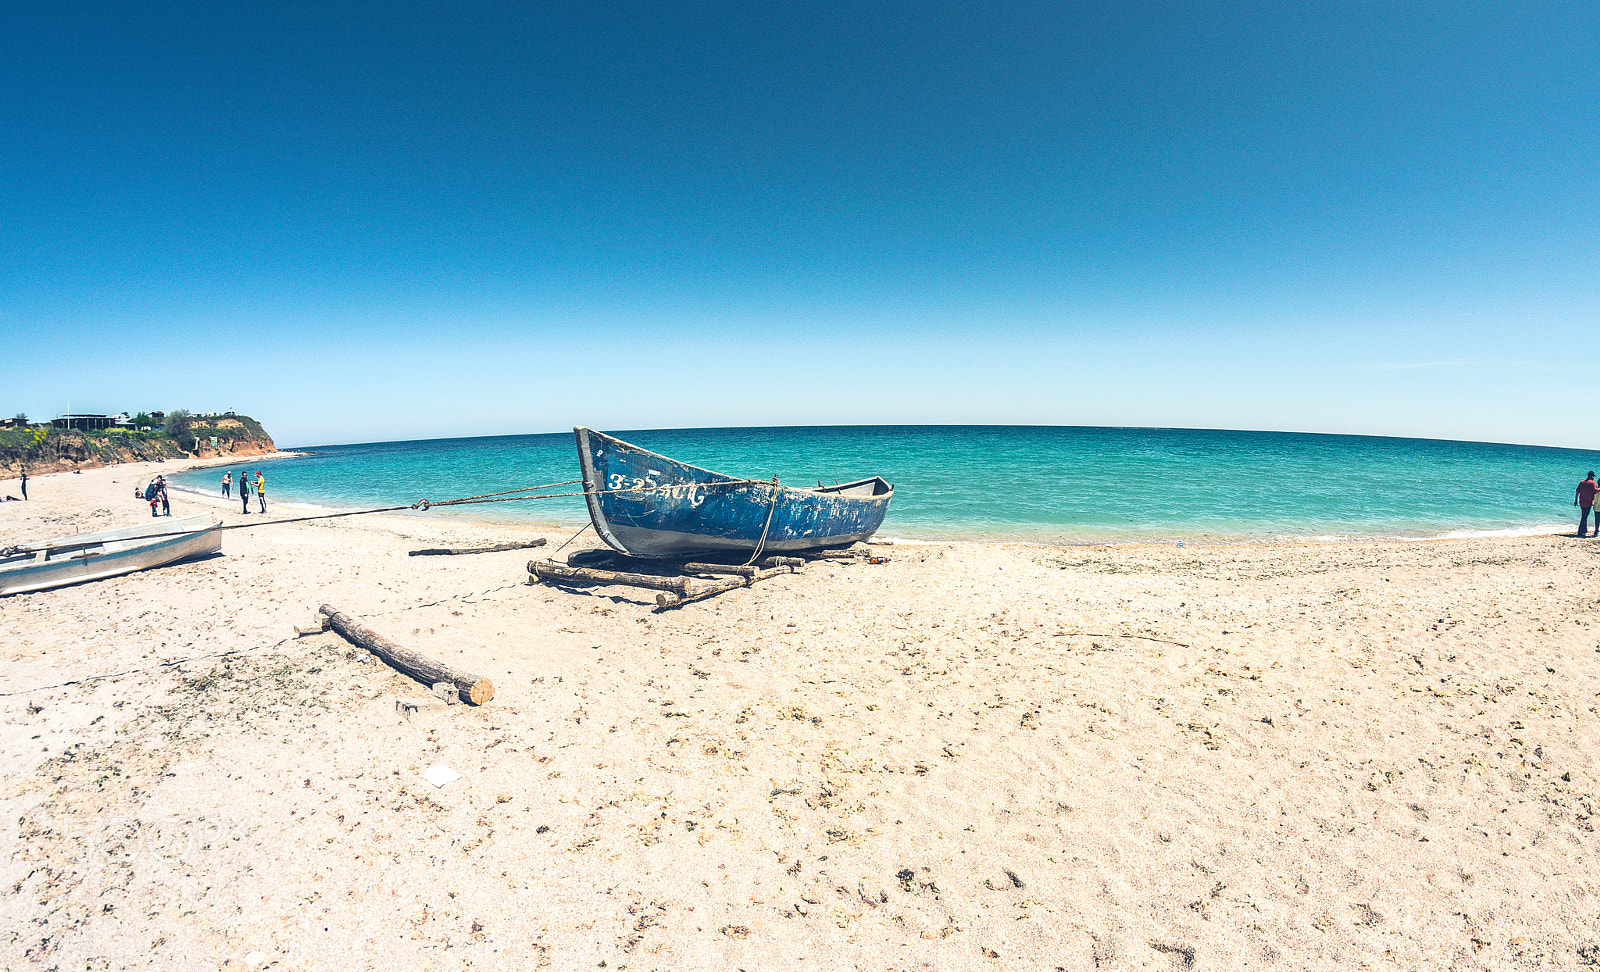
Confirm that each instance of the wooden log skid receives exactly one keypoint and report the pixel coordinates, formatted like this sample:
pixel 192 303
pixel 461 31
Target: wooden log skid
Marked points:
pixel 708 588
pixel 596 559
pixel 472 688
pixel 721 569
pixel 550 570
pixel 664 601
pixel 456 551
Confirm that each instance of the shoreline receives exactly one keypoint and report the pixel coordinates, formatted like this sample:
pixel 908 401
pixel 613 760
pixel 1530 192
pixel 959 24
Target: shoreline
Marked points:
pixel 1307 755
pixel 903 538
pixel 911 534
pixel 1251 540
pixel 1059 486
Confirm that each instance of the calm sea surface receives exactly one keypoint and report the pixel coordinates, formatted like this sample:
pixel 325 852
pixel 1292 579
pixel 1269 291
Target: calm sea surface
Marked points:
pixel 1013 482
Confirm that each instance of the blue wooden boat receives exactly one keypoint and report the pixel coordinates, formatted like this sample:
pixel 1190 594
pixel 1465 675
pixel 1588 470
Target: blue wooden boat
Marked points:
pixel 647 505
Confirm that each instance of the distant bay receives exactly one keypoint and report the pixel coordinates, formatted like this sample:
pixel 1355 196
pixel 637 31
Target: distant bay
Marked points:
pixel 1036 483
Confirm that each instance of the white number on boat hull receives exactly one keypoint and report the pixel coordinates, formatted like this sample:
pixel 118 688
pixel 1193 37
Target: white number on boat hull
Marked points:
pixel 617 481
pixel 695 493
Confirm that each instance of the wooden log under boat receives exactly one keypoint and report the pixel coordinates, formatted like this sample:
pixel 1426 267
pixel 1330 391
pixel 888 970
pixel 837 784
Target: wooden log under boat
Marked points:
pixel 709 588
pixel 749 570
pixel 550 570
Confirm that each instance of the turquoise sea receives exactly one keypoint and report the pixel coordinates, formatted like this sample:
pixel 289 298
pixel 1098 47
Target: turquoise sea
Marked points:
pixel 1052 484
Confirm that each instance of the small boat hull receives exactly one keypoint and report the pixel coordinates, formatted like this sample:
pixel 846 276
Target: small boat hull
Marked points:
pixel 646 505
pixel 92 556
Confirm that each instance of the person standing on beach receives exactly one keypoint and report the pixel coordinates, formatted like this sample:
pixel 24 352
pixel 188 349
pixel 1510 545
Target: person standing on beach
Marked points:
pixel 227 480
pixel 166 504
pixel 1585 501
pixel 24 482
pixel 261 490
pixel 244 491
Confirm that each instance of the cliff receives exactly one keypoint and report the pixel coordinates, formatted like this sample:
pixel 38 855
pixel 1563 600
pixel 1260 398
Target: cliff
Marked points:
pixel 59 450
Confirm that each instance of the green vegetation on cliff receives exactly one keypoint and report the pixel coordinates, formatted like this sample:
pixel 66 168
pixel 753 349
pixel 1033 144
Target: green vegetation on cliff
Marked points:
pixel 42 448
pixel 24 437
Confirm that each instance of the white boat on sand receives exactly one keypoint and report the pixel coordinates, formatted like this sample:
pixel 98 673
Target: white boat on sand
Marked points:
pixel 91 556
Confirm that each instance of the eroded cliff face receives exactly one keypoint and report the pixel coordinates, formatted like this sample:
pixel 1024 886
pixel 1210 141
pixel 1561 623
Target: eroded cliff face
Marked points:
pixel 64 450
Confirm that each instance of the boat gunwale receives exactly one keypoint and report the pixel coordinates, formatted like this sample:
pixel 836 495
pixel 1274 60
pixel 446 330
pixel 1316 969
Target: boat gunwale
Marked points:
pixel 839 488
pixel 586 464
pixel 142 531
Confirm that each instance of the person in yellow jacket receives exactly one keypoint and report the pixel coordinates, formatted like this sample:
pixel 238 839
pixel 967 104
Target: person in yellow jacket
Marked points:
pixel 261 490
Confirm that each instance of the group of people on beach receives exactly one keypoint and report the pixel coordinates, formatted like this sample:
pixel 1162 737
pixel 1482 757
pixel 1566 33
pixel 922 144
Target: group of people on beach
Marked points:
pixel 259 487
pixel 155 493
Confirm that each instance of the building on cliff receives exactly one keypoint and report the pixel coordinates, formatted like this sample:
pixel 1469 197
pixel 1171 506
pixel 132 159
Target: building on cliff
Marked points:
pixel 83 422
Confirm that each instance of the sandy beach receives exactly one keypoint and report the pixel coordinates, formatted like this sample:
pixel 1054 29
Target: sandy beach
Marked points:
pixel 973 756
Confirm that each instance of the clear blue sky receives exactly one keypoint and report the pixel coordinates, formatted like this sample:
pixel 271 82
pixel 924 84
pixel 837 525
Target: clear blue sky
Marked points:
pixel 364 221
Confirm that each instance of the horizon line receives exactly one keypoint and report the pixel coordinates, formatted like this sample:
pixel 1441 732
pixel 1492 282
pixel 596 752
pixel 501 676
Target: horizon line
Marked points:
pixel 971 425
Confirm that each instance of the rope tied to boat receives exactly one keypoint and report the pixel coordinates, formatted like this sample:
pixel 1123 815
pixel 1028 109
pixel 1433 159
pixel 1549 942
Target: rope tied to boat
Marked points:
pixel 762 544
pixel 507 496
pixel 423 504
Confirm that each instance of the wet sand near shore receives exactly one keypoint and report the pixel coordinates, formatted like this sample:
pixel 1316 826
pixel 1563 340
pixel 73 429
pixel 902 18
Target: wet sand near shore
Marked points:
pixel 990 756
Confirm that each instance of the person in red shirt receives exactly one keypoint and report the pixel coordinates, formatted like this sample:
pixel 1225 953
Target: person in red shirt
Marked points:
pixel 1584 501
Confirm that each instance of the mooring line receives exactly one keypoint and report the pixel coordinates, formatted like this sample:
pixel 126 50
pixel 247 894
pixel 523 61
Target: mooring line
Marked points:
pixel 421 504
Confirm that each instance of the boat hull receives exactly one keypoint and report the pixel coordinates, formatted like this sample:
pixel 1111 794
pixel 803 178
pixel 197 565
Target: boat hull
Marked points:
pixel 646 505
pixel 74 560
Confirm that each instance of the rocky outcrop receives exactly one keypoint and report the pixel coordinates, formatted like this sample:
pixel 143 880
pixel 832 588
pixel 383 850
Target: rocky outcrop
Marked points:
pixel 229 436
pixel 236 447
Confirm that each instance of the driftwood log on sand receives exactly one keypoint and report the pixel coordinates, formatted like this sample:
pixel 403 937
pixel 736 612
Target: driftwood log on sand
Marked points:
pixel 428 671
pixel 457 551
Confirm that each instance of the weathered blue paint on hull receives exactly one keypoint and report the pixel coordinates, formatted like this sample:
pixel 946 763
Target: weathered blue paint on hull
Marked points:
pixel 672 509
